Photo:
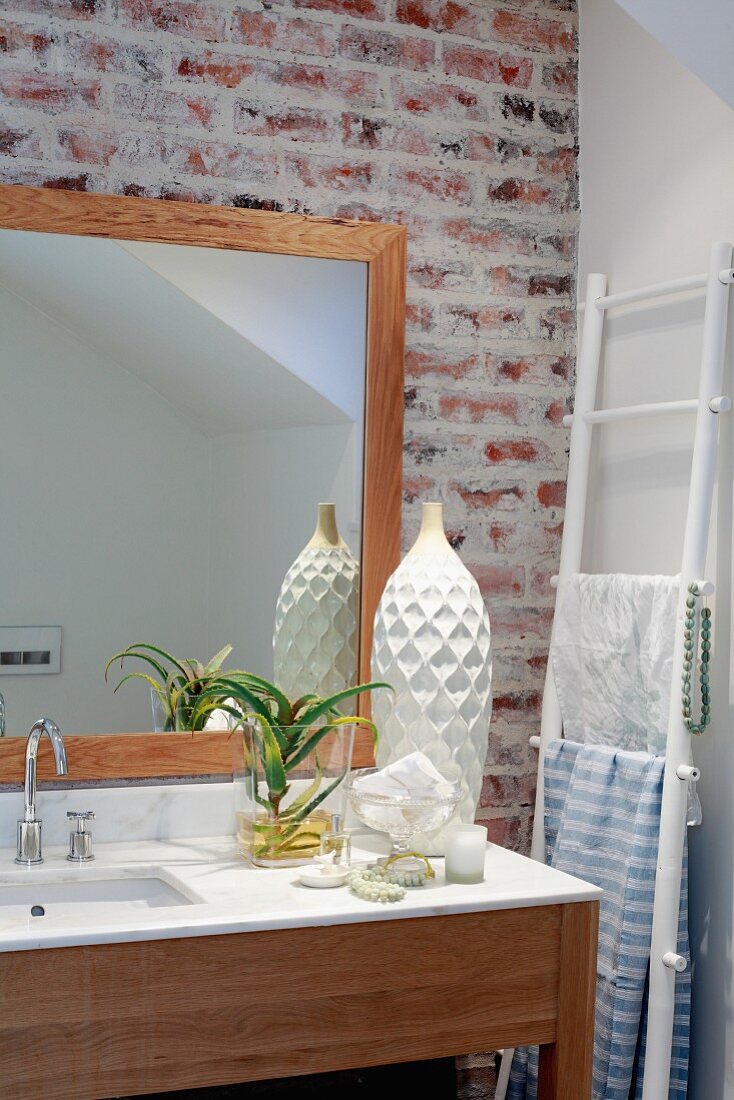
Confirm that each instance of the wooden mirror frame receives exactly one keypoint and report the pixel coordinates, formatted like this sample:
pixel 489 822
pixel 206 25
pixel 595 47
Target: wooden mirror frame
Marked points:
pixel 105 757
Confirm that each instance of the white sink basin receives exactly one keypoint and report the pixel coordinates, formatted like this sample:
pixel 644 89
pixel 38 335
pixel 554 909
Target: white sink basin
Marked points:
pixel 40 894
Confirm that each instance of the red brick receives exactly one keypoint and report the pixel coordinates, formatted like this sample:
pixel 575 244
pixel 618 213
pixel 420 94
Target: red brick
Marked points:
pixel 523 706
pixel 28 43
pixel 353 86
pixel 19 142
pixel 360 9
pixel 517 624
pixel 188 18
pixel 485 321
pixel 219 159
pixel 552 494
pixel 69 9
pixel 266 30
pixel 554 413
pixel 487 66
pixel 421 363
pixel 419 316
pixel 497 235
pixel 516 452
pixel 87 146
pixel 508 832
pixel 439 15
pixel 557 323
pixel 558 162
pixel 100 54
pixel 540 585
pixel 156 104
pixel 524 539
pixel 424 450
pixel 528 283
pixel 417 487
pixel 546 35
pixel 444 100
pixel 558 117
pixel 561 76
pixel 52 93
pixel 504 497
pixel 420 183
pixel 381 48
pixel 542 370
pixel 489 148
pixel 227 70
pixel 441 275
pixel 508 790
pixel 500 408
pixel 524 194
pixel 361 131
pixel 333 175
pixel 294 123
pixel 496 581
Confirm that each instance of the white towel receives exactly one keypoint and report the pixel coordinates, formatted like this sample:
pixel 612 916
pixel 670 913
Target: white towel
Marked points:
pixel 612 659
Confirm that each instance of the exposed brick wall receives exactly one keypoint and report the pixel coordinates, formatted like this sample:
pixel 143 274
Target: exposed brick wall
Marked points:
pixel 455 117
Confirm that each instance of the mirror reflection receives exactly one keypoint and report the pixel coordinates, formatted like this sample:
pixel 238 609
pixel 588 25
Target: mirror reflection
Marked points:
pixel 171 420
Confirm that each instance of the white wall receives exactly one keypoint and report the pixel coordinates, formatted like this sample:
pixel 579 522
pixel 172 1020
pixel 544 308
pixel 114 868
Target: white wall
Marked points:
pixel 266 487
pixel 657 164
pixel 699 33
pixel 101 479
pixel 309 315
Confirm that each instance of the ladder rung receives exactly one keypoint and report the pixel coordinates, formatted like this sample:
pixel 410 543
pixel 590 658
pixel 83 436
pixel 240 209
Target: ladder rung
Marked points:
pixel 654 290
pixel 658 408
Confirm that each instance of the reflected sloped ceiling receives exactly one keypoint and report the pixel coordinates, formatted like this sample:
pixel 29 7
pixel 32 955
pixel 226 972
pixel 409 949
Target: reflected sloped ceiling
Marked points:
pixel 108 298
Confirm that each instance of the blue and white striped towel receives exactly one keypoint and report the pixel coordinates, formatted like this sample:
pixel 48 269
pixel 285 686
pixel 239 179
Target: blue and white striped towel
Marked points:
pixel 602 819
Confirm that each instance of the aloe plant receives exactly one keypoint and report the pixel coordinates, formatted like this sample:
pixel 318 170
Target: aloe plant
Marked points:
pixel 283 734
pixel 178 684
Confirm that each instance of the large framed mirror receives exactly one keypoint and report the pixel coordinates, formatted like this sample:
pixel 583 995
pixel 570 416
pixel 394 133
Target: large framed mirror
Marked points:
pixel 187 393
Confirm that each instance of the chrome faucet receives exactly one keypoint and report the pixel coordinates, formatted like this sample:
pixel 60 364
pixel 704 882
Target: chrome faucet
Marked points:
pixel 2 715
pixel 29 829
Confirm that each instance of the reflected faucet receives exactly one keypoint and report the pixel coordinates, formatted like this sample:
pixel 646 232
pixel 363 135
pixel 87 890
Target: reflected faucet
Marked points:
pixel 29 829
pixel 2 715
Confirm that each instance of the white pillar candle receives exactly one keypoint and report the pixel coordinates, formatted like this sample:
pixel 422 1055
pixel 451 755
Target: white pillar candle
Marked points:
pixel 466 846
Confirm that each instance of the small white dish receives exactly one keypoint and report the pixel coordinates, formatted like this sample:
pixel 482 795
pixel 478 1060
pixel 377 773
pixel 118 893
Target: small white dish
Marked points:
pixel 317 880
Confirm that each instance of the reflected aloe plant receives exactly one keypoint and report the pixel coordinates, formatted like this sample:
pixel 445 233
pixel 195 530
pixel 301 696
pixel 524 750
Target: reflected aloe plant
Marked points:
pixel 177 683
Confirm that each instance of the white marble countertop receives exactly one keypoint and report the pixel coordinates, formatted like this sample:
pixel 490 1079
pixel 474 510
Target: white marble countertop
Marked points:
pixel 226 895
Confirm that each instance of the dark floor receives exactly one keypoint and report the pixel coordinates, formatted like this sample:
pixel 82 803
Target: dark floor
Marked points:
pixel 437 1077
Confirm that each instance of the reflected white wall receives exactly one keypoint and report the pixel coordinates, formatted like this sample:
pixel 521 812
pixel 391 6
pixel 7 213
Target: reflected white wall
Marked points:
pixel 657 161
pixel 101 478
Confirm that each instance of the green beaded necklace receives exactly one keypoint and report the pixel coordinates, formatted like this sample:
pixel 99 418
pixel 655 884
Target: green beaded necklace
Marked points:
pixel 689 646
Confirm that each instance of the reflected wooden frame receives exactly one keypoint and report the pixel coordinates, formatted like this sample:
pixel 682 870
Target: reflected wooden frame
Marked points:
pixel 382 247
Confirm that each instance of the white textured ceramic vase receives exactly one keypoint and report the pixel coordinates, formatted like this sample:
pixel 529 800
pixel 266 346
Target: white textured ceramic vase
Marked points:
pixel 316 637
pixel 432 643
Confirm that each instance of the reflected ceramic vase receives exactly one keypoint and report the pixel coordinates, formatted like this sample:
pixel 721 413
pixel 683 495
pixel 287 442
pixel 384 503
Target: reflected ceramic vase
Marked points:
pixel 432 643
pixel 315 642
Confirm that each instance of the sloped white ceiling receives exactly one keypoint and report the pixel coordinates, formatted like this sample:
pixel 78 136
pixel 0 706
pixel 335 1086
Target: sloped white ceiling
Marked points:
pixel 700 33
pixel 176 341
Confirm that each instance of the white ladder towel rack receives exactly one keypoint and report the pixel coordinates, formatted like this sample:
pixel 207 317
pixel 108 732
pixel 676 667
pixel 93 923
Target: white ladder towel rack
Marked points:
pixel 664 960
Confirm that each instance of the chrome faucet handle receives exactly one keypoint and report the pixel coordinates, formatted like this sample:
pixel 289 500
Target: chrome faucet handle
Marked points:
pixel 80 841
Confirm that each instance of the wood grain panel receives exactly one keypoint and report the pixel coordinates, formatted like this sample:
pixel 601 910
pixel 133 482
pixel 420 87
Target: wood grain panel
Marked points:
pixel 383 458
pixel 383 248
pixel 141 1017
pixel 46 210
pixel 565 1067
pixel 97 757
